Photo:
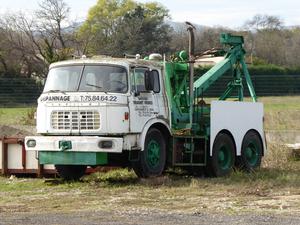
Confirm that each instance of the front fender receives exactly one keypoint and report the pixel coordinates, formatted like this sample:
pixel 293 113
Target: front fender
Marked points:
pixel 147 126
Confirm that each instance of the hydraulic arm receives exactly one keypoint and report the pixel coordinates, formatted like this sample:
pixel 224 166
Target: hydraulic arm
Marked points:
pixel 234 60
pixel 184 92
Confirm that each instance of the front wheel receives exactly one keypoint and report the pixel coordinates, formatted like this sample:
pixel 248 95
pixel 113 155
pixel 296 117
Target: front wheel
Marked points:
pixel 70 172
pixel 153 159
pixel 251 152
pixel 223 155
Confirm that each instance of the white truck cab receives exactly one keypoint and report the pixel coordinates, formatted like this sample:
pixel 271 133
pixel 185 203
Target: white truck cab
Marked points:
pixel 98 106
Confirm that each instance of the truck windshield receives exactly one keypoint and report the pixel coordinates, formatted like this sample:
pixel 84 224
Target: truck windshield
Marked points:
pixel 94 78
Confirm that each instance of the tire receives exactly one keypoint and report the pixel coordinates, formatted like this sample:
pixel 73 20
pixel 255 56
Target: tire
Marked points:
pixel 70 172
pixel 223 156
pixel 153 159
pixel 251 152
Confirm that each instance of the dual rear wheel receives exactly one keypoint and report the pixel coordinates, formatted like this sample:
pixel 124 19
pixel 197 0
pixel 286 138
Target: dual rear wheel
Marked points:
pixel 152 159
pixel 252 151
pixel 224 157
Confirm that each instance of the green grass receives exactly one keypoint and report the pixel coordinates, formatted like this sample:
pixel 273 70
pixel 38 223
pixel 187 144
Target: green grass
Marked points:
pixel 281 113
pixel 13 116
pixel 272 104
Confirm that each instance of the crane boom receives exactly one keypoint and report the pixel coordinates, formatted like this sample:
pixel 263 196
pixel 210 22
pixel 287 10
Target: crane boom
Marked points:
pixel 234 60
pixel 184 92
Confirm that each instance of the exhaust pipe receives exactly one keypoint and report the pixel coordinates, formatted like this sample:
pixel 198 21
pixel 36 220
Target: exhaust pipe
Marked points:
pixel 191 29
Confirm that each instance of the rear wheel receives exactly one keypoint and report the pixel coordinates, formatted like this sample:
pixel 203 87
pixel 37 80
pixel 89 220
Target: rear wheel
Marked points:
pixel 152 160
pixel 251 152
pixel 223 155
pixel 70 172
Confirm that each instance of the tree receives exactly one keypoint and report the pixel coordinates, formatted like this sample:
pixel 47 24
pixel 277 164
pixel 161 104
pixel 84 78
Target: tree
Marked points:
pixel 210 37
pixel 141 31
pixel 50 17
pixel 115 26
pixel 261 22
pixel 39 40
pixel 17 48
pixel 265 38
pixel 292 49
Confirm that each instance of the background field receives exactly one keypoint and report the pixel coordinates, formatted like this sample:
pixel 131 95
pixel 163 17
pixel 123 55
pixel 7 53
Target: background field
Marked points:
pixel 273 190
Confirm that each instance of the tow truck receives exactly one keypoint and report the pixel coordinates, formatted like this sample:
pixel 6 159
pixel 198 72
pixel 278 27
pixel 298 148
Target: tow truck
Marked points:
pixel 149 114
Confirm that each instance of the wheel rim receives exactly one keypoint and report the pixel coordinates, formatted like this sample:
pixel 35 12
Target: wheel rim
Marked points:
pixel 251 153
pixel 153 153
pixel 224 158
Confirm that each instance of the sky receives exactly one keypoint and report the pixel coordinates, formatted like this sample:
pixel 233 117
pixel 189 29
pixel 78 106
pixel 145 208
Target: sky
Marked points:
pixel 232 14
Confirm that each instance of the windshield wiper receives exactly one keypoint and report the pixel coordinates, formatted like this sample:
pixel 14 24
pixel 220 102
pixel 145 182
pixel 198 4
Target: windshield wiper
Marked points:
pixel 55 91
pixel 92 85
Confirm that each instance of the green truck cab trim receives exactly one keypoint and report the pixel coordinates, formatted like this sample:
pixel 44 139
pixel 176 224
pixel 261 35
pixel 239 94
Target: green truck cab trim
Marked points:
pixel 73 158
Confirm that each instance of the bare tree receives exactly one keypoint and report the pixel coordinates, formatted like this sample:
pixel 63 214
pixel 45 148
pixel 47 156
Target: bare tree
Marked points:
pixel 52 16
pixel 41 39
pixel 261 22
pixel 17 47
pixel 265 39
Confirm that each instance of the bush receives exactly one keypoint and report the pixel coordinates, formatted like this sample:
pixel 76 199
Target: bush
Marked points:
pixel 261 69
pixel 268 69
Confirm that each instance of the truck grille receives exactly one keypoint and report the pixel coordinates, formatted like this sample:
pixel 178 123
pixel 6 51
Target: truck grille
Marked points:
pixel 75 120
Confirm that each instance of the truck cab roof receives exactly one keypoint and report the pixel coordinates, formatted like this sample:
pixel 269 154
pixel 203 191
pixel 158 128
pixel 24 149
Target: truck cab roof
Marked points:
pixel 127 62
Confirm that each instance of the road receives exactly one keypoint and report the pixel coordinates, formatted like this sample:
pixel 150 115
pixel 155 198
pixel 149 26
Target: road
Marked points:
pixel 144 218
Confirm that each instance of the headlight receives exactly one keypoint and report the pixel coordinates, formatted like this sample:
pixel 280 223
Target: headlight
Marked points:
pixel 105 144
pixel 31 143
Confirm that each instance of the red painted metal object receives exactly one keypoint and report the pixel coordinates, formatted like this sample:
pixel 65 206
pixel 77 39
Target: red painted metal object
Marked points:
pixel 40 171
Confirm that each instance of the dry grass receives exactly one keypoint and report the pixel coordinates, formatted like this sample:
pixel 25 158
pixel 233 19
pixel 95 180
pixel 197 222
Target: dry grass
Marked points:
pixel 267 191
pixel 275 188
pixel 29 117
pixel 282 119
pixel 279 157
pixel 281 113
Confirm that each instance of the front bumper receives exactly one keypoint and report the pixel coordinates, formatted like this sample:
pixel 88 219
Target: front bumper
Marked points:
pixel 78 144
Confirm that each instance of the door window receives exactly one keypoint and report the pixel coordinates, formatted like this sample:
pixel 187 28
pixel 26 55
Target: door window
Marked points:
pixel 139 80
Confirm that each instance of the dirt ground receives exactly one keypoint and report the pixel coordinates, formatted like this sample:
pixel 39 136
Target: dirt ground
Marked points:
pixel 16 130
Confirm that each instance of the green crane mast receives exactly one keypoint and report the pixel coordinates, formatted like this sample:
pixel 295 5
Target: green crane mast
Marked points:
pixel 184 92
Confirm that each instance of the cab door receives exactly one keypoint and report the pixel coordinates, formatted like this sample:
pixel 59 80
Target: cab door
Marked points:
pixel 143 104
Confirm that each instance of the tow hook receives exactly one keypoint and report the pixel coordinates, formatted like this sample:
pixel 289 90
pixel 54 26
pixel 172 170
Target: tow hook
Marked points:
pixel 65 145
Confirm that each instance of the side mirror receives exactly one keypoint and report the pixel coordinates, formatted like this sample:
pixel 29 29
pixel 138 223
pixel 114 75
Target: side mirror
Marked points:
pixel 149 81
